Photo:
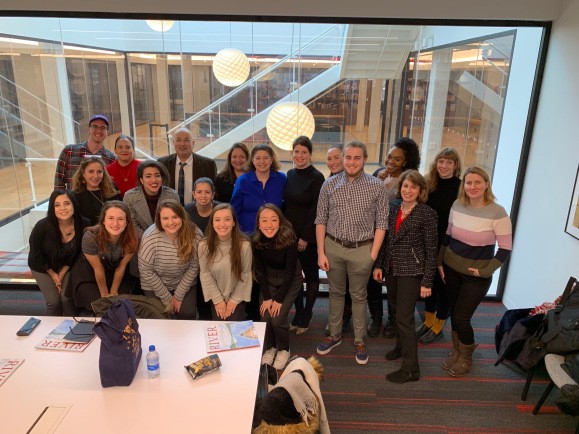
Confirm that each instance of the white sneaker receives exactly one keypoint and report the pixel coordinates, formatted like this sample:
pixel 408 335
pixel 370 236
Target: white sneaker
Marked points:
pixel 268 356
pixel 281 360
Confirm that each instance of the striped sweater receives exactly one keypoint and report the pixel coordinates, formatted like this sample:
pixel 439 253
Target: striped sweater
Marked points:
pixel 471 238
pixel 160 268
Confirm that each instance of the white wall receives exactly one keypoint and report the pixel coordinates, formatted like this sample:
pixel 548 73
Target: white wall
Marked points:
pixel 544 256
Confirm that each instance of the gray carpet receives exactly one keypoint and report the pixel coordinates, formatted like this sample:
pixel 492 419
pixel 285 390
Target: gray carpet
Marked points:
pixel 359 399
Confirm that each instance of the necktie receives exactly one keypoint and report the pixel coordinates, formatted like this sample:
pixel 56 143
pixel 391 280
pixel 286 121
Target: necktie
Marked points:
pixel 181 188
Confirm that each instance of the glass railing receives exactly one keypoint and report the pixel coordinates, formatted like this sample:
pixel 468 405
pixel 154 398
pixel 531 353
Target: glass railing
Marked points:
pixel 269 83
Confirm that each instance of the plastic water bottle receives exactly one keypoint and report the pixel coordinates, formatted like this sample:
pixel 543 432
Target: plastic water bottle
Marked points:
pixel 153 362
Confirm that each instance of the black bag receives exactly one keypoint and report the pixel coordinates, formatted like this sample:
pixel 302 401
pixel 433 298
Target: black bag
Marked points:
pixel 512 343
pixel 562 334
pixel 551 336
pixel 121 350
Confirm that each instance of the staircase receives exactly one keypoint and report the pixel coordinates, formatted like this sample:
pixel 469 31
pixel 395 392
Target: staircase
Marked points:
pixel 374 52
pixel 365 52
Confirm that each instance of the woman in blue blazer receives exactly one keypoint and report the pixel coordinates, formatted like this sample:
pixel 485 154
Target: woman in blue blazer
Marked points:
pixel 262 184
pixel 407 262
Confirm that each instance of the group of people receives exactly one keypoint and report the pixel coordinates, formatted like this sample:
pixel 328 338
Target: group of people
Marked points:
pixel 240 244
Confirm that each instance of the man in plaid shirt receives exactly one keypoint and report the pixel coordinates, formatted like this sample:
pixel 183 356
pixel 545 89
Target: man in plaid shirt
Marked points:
pixel 351 221
pixel 72 155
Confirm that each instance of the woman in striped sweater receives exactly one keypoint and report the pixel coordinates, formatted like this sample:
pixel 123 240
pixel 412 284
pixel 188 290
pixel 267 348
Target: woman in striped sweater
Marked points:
pixel 467 259
pixel 168 261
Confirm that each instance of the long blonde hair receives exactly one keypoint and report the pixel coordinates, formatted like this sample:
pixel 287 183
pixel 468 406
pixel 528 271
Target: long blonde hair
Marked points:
pixel 432 176
pixel 489 197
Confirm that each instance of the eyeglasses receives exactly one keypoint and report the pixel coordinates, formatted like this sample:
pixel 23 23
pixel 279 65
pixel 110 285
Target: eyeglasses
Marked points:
pixel 96 127
pixel 183 141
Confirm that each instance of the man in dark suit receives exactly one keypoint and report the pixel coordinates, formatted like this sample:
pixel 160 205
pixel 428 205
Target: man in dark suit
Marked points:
pixel 186 166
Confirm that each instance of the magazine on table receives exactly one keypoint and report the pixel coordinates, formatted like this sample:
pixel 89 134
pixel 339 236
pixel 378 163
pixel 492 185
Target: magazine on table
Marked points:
pixel 225 336
pixel 7 367
pixel 68 336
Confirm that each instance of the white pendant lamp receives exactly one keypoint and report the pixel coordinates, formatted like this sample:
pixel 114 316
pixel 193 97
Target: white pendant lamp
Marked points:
pixel 231 67
pixel 160 25
pixel 287 121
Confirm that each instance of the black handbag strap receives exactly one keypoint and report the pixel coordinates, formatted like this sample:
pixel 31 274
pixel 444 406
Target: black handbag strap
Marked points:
pixel 568 290
pixel 552 317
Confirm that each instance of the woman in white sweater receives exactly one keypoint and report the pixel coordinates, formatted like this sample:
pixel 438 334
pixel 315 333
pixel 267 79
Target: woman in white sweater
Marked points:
pixel 168 261
pixel 225 257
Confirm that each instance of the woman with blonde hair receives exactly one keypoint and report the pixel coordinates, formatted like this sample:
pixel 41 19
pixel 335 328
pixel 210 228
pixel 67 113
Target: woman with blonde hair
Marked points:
pixel 168 262
pixel 93 187
pixel 467 259
pixel 443 182
pixel 225 260
pixel 107 248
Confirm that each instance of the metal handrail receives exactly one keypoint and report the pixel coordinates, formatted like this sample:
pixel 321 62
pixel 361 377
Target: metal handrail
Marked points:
pixel 40 99
pixel 30 160
pixel 28 164
pixel 248 83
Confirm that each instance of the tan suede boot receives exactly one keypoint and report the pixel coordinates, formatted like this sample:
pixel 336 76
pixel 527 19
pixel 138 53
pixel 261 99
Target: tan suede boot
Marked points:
pixel 464 362
pixel 453 356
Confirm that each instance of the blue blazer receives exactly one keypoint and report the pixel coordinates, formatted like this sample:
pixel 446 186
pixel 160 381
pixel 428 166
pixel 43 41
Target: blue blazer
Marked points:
pixel 249 195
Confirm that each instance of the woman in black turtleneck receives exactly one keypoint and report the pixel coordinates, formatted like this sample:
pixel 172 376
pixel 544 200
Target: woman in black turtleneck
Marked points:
pixel 443 183
pixel 302 190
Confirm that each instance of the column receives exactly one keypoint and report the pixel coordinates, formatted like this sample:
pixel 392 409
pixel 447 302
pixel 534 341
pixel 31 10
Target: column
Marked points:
pixel 436 104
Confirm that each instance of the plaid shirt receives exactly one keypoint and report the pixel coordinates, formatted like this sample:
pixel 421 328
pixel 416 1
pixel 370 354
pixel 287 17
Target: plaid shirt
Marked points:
pixel 69 160
pixel 352 211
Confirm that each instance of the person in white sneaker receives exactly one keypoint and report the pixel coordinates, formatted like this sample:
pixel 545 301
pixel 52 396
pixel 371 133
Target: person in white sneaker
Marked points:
pixel 279 274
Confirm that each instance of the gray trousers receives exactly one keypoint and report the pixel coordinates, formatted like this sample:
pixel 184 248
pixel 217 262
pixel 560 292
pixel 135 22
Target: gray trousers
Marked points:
pixel 56 304
pixel 353 266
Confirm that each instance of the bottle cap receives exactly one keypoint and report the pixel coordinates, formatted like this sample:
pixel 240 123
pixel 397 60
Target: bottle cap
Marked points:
pixel 151 347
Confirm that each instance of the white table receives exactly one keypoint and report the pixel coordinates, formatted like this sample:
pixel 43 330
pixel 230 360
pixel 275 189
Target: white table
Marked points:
pixel 220 402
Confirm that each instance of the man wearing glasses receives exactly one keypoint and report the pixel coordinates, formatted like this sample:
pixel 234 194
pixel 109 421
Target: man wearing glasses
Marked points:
pixel 72 155
pixel 185 167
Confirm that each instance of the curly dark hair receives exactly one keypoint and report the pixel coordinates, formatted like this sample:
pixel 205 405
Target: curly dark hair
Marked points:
pixel 411 152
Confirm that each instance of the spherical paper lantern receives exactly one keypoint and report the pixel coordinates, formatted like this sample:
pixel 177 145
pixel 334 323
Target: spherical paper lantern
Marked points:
pixel 287 121
pixel 160 25
pixel 231 67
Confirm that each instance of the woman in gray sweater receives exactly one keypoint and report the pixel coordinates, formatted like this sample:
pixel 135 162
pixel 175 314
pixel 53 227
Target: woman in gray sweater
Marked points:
pixel 168 259
pixel 225 257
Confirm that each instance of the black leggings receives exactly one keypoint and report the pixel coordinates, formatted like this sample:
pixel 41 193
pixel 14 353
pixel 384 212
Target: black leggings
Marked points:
pixel 438 301
pixel 309 260
pixel 465 293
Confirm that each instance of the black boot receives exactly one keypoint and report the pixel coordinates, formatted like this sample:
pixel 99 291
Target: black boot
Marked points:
pixel 374 326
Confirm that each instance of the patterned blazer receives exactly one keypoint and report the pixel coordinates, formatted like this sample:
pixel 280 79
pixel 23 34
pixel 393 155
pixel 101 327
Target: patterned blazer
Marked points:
pixel 137 203
pixel 411 251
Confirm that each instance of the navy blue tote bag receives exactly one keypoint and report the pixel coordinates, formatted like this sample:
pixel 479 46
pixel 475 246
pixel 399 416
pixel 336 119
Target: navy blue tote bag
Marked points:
pixel 120 344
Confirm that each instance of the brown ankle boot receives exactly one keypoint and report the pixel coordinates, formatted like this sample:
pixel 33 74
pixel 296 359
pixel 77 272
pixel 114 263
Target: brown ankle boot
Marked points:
pixel 453 356
pixel 464 362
